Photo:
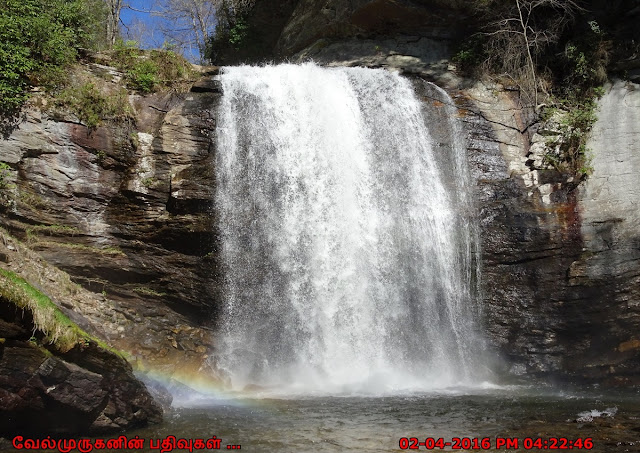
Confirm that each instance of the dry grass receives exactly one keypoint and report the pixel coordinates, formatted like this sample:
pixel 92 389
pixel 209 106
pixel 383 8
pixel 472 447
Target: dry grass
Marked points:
pixel 110 251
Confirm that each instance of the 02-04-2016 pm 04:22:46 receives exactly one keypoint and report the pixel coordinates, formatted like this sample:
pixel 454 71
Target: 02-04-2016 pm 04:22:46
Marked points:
pixel 486 443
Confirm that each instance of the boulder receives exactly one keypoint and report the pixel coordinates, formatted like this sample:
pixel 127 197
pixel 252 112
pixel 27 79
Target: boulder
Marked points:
pixel 45 391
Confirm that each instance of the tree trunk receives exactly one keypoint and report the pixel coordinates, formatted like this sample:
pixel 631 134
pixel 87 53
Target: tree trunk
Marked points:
pixel 113 21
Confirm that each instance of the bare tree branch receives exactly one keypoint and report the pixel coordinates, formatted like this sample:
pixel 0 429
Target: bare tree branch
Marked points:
pixel 517 38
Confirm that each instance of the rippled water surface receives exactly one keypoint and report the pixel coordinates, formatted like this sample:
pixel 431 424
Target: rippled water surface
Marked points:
pixel 359 423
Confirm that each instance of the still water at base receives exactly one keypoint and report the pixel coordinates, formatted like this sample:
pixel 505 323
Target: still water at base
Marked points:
pixel 339 424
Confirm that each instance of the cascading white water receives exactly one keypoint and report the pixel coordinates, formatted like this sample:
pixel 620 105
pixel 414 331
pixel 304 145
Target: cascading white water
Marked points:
pixel 347 261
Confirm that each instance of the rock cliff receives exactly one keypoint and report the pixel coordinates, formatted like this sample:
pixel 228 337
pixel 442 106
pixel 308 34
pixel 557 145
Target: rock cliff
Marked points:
pixel 128 213
pixel 87 389
pixel 55 378
pixel 559 264
pixel 126 210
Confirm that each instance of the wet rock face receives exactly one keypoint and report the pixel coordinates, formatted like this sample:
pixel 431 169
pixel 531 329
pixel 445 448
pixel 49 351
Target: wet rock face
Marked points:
pixel 413 36
pixel 126 210
pixel 610 211
pixel 560 265
pixel 87 389
pixel 128 213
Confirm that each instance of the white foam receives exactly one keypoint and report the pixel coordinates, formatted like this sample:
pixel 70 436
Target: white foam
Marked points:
pixel 347 261
pixel 588 416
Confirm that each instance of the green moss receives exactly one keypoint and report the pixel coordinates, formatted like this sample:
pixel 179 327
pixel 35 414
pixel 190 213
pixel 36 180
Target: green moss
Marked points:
pixel 134 140
pixel 148 182
pixel 101 156
pixel 57 328
pixel 47 317
pixel 110 251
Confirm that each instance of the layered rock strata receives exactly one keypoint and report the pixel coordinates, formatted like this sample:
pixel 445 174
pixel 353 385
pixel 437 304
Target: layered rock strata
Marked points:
pixel 126 210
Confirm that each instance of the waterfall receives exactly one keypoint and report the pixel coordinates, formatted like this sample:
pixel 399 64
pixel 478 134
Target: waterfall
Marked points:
pixel 346 248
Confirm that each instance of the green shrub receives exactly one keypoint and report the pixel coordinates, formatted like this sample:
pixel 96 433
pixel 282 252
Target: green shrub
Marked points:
pixel 126 54
pixel 575 127
pixel 37 39
pixel 171 66
pixel 149 71
pixel 143 76
pixel 470 54
pixel 92 106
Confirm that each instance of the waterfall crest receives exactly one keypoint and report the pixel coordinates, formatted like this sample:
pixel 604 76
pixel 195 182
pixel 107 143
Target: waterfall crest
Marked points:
pixel 347 259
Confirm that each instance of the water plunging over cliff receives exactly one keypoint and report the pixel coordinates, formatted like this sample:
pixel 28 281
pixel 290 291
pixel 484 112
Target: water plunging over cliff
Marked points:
pixel 347 258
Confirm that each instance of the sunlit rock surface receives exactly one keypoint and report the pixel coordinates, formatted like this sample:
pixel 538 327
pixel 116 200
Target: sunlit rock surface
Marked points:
pixel 128 213
pixel 126 210
pixel 560 259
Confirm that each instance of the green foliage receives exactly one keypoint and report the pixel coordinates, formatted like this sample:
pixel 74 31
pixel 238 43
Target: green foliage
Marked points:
pixel 577 114
pixel 470 54
pixel 232 34
pixel 575 126
pixel 583 64
pixel 126 53
pixel 143 76
pixel 582 69
pixel 37 39
pixel 152 70
pixel 585 59
pixel 93 101
pixel 4 175
pixel 92 106
pixel 238 33
pixel 556 55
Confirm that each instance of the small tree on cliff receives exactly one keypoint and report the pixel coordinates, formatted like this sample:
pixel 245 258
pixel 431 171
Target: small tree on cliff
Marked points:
pixel 232 29
pixel 524 29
